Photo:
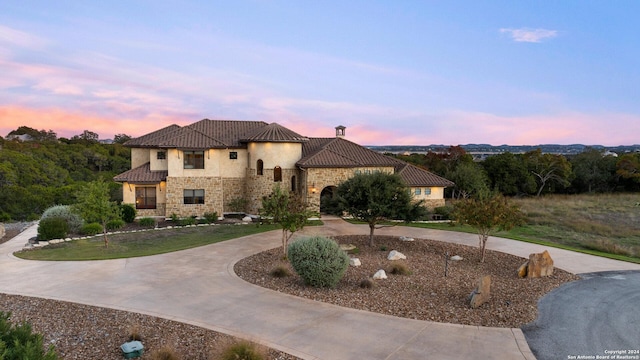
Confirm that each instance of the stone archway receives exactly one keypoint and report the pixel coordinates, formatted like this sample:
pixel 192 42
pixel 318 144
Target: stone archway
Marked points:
pixel 327 200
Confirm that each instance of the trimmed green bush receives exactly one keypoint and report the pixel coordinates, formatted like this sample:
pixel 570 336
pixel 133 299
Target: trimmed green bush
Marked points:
pixel 211 217
pixel 318 260
pixel 74 221
pixel 115 224
pixel 19 343
pixel 128 213
pixel 187 221
pixel 52 228
pixel 147 221
pixel 92 229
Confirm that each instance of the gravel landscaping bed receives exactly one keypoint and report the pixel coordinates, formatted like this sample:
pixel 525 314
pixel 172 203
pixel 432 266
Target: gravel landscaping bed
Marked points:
pixel 425 293
pixel 87 332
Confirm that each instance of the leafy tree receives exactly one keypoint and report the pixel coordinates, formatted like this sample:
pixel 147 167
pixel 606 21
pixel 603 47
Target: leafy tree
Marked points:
pixel 509 175
pixel 121 138
pixel 470 178
pixel 94 205
pixel 548 169
pixel 487 212
pixel 286 209
pixel 593 171
pixel 40 135
pixel 374 198
pixel 86 136
pixel 628 166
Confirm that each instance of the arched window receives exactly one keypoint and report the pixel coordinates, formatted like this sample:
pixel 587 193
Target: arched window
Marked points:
pixel 259 167
pixel 277 174
pixel 293 183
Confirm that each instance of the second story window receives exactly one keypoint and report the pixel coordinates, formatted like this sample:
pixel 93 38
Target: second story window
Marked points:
pixel 259 167
pixel 161 155
pixel 277 174
pixel 233 155
pixel 194 159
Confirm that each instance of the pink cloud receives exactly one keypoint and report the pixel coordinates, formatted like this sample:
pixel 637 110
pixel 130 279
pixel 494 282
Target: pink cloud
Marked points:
pixel 66 123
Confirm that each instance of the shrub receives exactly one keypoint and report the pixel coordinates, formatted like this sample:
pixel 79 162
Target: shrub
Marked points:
pixel 366 283
pixel 134 333
pixel 4 216
pixel 91 229
pixel 187 221
pixel 53 228
pixel 211 217
pixel 444 211
pixel 399 269
pixel 147 221
pixel 238 204
pixel 280 271
pixel 318 260
pixel 74 221
pixel 115 224
pixel 128 213
pixel 18 342
pixel 175 218
pixel 244 350
pixel 164 353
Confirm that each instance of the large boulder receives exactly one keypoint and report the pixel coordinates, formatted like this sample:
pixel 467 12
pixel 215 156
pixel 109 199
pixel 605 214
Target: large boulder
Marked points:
pixel 482 293
pixel 540 265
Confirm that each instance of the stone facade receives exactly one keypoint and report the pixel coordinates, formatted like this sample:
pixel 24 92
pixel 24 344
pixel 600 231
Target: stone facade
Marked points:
pixel 258 186
pixel 2 231
pixel 213 195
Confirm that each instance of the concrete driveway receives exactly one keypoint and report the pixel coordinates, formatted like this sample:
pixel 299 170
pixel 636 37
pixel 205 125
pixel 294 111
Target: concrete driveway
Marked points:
pixel 198 286
pixel 597 316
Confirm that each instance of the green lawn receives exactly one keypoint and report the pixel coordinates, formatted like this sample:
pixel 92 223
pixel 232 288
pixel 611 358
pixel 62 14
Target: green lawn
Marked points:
pixel 142 243
pixel 604 224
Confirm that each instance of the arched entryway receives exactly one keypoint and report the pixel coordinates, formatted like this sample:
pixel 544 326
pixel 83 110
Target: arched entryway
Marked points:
pixel 328 202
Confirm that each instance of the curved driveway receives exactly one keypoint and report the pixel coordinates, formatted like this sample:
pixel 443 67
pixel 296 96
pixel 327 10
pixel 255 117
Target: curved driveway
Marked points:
pixel 198 286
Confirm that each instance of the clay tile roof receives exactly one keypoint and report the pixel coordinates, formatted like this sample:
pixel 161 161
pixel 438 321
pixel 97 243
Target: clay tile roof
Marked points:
pixel 142 175
pixel 338 152
pixel 415 176
pixel 150 139
pixel 188 138
pixel 228 132
pixel 274 133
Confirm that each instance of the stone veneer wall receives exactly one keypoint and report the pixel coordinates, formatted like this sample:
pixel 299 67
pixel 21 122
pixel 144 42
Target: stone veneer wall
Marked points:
pixel 232 188
pixel 213 195
pixel 323 177
pixel 160 210
pixel 258 186
pixel 2 231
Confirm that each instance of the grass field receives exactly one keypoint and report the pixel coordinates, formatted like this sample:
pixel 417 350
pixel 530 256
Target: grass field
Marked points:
pixel 600 224
pixel 142 243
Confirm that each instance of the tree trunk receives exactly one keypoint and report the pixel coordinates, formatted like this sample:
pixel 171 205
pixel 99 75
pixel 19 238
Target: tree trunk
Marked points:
pixel 284 243
pixel 104 232
pixel 483 245
pixel 371 229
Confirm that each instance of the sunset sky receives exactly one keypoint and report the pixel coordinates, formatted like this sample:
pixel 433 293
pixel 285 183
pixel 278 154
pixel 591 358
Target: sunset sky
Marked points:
pixel 393 72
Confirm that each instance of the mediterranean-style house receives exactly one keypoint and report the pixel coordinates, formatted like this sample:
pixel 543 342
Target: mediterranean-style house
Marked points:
pixel 203 167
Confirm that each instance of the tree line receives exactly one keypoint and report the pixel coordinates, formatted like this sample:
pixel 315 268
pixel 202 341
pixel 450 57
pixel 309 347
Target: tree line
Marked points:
pixel 48 170
pixel 532 173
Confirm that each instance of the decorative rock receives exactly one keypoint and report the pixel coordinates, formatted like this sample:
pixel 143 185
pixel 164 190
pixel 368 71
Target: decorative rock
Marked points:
pixel 396 255
pixel 406 238
pixel 354 262
pixel 522 270
pixel 481 294
pixel 380 274
pixel 456 258
pixel 347 247
pixel 247 219
pixel 540 265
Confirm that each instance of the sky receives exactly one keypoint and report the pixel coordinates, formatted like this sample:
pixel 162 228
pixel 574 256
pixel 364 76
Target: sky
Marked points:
pixel 395 72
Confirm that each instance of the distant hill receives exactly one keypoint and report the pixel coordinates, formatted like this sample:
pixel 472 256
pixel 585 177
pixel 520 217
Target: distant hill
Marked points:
pixel 515 149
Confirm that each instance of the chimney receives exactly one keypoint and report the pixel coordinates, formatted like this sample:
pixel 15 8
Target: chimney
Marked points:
pixel 340 131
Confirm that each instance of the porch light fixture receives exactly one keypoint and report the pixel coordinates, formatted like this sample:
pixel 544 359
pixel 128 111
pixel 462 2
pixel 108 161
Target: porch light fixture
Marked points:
pixel 313 188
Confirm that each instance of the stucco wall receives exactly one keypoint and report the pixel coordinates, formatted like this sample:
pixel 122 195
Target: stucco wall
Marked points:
pixel 284 155
pixel 156 164
pixel 139 157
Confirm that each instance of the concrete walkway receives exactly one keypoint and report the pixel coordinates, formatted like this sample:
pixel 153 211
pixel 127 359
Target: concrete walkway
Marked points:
pixel 198 286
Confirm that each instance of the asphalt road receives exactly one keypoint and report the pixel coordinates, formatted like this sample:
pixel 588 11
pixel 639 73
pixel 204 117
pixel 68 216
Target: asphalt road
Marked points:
pixel 596 316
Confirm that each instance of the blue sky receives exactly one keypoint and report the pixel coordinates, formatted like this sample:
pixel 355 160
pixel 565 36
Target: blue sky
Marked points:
pixel 392 72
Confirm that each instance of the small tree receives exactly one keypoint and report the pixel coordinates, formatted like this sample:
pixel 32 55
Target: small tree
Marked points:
pixel 95 205
pixel 286 209
pixel 374 198
pixel 486 213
